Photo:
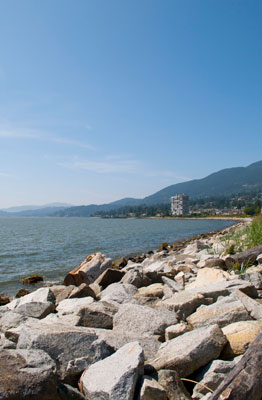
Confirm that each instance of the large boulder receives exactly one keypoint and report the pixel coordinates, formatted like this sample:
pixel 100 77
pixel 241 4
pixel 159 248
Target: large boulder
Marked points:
pixel 173 385
pixel 27 374
pixel 89 270
pixel 73 348
pixel 109 276
pixel 223 312
pixel 188 352
pixel 116 376
pixel 143 320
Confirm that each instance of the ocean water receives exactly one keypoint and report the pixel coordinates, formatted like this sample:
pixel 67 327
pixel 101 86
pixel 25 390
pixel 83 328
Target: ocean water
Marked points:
pixel 53 246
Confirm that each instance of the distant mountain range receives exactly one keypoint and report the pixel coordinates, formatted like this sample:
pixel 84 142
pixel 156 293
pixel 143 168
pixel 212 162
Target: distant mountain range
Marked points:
pixel 222 183
pixel 34 211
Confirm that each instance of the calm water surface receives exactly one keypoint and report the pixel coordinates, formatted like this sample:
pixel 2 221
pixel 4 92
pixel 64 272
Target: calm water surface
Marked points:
pixel 53 246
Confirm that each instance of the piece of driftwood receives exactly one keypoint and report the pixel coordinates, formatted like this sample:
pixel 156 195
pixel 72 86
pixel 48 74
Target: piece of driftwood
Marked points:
pixel 245 257
pixel 244 382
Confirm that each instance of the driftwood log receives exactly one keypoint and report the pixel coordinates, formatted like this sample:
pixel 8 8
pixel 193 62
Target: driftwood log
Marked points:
pixel 244 382
pixel 245 257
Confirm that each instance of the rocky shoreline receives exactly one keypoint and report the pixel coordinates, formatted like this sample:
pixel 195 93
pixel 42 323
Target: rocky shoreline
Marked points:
pixel 137 328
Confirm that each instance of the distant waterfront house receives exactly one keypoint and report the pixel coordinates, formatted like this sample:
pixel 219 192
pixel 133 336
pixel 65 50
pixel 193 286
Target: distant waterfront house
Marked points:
pixel 179 204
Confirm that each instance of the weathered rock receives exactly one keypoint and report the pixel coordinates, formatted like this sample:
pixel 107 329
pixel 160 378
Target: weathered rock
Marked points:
pixel 183 303
pixel 173 331
pixel 118 293
pixel 211 376
pixel 142 320
pixel 173 385
pixel 108 277
pixel 136 277
pixel 207 276
pixel 223 312
pixel 190 351
pixel 27 374
pixel 96 288
pixel 251 305
pixel 42 295
pixel 73 306
pixel 65 344
pixel 89 270
pixel 239 336
pixel 4 299
pixel 82 290
pixel 67 392
pixel 116 376
pixel 32 279
pixel 195 247
pixel 154 290
pixel 98 315
pixel 120 263
pixel 152 390
pixel 35 309
pixel 21 293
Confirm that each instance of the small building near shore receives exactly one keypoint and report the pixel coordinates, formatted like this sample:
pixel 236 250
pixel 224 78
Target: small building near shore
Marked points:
pixel 179 204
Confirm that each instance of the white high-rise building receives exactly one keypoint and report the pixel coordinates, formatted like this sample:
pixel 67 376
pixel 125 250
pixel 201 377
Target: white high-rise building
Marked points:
pixel 179 204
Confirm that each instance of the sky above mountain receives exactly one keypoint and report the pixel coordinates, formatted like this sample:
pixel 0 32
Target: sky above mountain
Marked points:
pixel 101 100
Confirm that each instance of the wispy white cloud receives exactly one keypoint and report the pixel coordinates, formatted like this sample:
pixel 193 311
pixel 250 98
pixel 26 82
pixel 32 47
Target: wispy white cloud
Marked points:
pixel 35 135
pixel 103 166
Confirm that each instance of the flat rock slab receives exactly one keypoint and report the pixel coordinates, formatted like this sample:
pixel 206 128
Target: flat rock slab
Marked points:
pixel 116 376
pixel 35 309
pixel 65 344
pixel 89 270
pixel 222 313
pixel 183 303
pixel 190 351
pixel 27 374
pixel 143 320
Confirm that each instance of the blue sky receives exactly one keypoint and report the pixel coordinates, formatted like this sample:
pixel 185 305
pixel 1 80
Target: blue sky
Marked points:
pixel 106 99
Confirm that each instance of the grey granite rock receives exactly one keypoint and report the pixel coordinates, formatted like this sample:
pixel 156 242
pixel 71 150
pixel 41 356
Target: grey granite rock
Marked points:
pixel 116 376
pixel 190 351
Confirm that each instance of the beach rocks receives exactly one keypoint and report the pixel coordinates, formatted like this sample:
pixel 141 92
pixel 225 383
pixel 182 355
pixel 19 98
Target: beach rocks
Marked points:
pixel 223 312
pixel 73 306
pixel 89 270
pixel 27 374
pixel 116 376
pixel 109 276
pixel 152 390
pixel 171 382
pixel 142 320
pixel 66 345
pixel 192 350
